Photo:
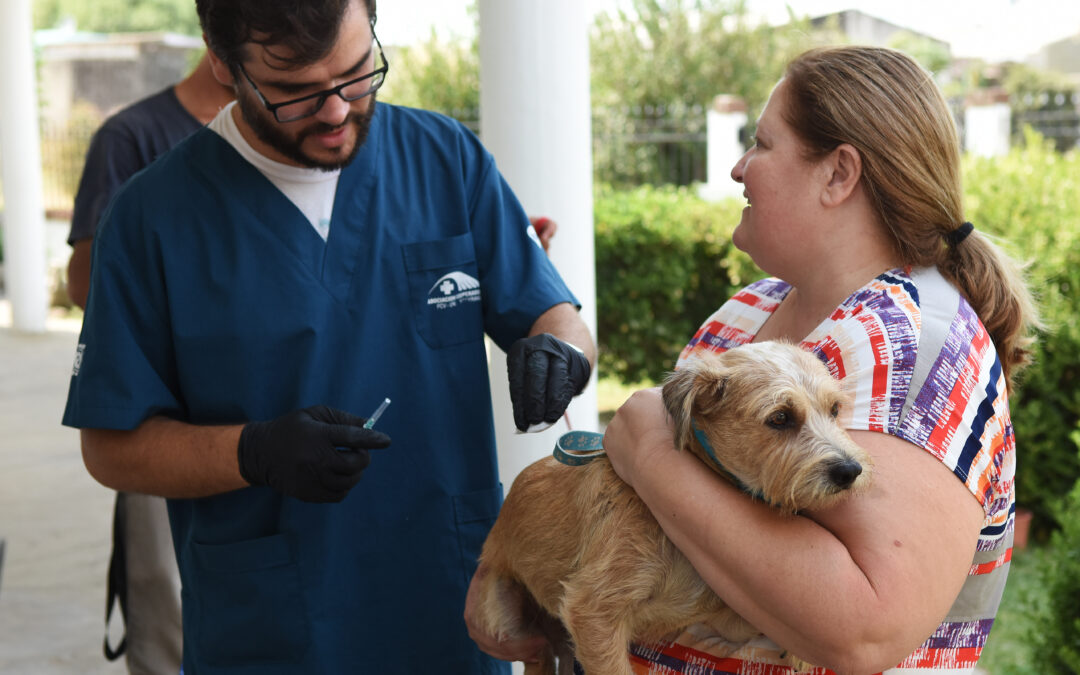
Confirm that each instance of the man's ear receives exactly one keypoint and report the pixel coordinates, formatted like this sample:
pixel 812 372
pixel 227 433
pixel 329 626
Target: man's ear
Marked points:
pixel 222 73
pixel 843 169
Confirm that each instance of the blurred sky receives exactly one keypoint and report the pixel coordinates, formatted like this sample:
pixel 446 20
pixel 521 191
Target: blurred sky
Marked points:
pixel 994 30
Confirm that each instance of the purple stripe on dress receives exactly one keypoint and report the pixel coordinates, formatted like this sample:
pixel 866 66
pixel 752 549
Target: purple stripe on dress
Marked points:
pixel 960 634
pixel 900 339
pixel 770 288
pixel 725 340
pixel 931 401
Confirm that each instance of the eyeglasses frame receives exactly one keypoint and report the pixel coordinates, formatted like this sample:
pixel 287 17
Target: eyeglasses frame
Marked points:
pixel 325 93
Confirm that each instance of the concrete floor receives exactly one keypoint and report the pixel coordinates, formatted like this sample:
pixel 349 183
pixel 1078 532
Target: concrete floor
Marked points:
pixel 55 519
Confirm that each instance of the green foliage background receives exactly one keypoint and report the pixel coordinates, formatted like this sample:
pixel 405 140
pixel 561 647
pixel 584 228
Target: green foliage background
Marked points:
pixel 664 263
pixel 660 52
pixel 109 16
pixel 1055 632
pixel 437 74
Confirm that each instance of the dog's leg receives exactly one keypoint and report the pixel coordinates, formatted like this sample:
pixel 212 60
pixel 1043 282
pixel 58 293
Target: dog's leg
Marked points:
pixel 507 610
pixel 601 640
pixel 566 661
pixel 545 666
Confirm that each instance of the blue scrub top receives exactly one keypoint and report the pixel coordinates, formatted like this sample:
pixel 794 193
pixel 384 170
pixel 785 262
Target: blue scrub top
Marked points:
pixel 213 301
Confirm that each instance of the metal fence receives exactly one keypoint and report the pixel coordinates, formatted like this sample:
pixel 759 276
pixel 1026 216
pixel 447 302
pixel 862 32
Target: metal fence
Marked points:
pixel 63 153
pixel 1062 126
pixel 631 145
pixel 649 144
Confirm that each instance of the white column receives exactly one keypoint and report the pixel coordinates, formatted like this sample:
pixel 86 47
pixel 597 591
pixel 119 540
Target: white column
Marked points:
pixel 724 123
pixel 20 151
pixel 987 123
pixel 536 120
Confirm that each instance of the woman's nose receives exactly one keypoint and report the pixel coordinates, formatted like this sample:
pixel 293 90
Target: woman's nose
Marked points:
pixel 737 170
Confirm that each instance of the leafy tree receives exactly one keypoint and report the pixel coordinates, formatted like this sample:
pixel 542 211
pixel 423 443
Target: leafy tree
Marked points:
pixel 437 74
pixel 114 16
pixel 931 54
pixel 667 51
pixel 676 56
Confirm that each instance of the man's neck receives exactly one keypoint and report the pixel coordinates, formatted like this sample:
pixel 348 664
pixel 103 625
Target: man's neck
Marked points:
pixel 201 94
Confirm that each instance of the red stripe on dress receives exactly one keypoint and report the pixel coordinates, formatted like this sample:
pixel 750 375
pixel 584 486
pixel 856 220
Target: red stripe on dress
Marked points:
pixel 987 567
pixel 951 657
pixel 764 303
pixel 879 412
pixel 834 357
pixel 960 396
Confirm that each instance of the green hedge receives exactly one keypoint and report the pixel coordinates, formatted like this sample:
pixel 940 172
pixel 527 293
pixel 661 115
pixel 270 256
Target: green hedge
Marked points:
pixel 664 263
pixel 1054 631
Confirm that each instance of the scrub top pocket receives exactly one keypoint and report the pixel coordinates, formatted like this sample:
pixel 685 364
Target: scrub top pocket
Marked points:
pixel 251 605
pixel 444 290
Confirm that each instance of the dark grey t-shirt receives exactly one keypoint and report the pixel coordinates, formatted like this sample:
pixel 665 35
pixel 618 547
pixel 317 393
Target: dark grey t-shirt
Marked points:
pixel 125 144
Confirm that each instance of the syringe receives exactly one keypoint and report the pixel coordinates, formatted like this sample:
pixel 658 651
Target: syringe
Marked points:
pixel 377 414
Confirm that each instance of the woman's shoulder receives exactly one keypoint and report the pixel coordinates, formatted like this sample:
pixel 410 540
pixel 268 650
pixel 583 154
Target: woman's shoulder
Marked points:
pixel 738 320
pixel 902 315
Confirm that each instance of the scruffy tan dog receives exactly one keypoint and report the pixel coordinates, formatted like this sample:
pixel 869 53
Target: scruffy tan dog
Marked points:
pixel 575 547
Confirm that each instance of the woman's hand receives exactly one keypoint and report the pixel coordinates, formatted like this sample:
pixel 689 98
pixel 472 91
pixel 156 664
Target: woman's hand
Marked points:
pixel 527 649
pixel 639 435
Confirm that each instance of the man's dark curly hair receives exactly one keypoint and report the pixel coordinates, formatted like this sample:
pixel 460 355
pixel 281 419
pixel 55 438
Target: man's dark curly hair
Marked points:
pixel 307 28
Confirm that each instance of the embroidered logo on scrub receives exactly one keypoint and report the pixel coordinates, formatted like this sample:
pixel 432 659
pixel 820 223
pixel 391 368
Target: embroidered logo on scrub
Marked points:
pixel 452 289
pixel 78 359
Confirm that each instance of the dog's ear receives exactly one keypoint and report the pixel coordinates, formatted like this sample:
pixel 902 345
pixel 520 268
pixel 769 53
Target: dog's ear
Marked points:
pixel 692 390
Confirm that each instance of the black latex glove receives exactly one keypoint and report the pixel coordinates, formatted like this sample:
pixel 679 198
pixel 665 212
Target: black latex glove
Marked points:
pixel 545 373
pixel 298 454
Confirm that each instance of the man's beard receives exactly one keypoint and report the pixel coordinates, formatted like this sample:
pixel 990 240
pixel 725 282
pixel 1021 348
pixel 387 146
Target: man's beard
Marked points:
pixel 270 132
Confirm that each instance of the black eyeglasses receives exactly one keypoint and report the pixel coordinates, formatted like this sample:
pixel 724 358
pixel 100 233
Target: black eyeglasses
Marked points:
pixel 306 106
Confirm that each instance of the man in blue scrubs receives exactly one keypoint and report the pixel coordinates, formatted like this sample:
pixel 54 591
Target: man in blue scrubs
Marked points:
pixel 264 285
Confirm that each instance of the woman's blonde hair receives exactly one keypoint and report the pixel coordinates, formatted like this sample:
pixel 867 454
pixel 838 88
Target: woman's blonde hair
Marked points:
pixel 887 107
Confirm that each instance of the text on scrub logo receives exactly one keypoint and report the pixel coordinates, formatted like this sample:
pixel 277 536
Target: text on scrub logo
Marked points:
pixel 452 289
pixel 78 359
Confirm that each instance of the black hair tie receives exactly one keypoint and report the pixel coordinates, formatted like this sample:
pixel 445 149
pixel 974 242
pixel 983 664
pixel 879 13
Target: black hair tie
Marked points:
pixel 959 234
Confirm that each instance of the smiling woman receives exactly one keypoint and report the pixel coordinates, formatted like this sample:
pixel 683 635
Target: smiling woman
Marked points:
pixel 854 205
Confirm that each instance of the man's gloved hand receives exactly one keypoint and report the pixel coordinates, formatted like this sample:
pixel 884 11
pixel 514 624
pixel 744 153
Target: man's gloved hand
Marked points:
pixel 545 373
pixel 297 454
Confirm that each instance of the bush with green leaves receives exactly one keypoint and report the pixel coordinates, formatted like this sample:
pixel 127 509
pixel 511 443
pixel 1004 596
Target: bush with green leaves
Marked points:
pixel 664 263
pixel 1054 632
pixel 1029 198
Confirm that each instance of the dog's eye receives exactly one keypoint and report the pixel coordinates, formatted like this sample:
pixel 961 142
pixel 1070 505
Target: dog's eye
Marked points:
pixel 835 410
pixel 780 420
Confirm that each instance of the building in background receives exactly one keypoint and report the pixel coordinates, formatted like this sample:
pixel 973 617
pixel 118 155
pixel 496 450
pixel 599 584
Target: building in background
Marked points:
pixel 1062 56
pixel 861 28
pixel 107 71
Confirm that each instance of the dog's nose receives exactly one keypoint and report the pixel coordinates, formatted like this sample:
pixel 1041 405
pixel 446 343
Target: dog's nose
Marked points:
pixel 844 472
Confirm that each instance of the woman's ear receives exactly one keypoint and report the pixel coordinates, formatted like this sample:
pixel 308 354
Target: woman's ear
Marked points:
pixel 843 169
